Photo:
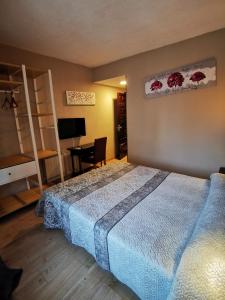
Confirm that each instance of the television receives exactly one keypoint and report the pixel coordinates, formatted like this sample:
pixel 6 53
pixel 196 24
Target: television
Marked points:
pixel 71 127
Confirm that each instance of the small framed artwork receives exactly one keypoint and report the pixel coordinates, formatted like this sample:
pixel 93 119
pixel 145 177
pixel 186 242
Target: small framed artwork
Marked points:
pixel 194 76
pixel 80 98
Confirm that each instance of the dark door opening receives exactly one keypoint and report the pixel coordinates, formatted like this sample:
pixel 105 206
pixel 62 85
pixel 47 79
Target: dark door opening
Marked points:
pixel 120 106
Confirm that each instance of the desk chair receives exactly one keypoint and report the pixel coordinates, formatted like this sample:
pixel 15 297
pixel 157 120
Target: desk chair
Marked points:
pixel 98 154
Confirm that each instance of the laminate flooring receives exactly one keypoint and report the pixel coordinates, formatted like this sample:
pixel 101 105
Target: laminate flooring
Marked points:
pixel 52 267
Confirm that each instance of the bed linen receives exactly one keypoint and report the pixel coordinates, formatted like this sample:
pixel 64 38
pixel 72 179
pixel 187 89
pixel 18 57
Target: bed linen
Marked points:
pixel 136 221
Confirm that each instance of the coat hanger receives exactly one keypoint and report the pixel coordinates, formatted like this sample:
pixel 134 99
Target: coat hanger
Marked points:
pixel 6 103
pixel 9 103
pixel 13 103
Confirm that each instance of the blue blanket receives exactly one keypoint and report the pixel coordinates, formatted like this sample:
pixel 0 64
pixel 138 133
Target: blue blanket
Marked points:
pixel 136 221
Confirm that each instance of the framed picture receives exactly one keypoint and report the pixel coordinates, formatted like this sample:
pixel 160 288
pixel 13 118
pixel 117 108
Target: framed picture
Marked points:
pixel 194 76
pixel 80 98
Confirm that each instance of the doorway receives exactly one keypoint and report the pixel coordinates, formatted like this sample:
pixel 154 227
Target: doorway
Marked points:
pixel 120 113
pixel 120 109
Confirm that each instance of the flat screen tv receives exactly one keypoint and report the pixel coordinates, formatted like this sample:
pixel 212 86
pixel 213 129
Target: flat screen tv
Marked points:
pixel 71 127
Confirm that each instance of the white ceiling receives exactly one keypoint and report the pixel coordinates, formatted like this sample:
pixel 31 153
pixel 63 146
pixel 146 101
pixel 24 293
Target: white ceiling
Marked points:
pixel 96 32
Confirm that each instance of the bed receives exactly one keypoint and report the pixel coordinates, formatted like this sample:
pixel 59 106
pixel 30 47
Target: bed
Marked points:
pixel 160 233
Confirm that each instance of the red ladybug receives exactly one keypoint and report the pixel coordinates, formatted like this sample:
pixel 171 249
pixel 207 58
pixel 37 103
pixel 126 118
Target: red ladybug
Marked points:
pixel 197 76
pixel 156 85
pixel 175 79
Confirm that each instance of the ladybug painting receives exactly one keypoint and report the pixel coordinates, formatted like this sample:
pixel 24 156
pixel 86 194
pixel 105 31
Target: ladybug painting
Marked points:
pixel 197 76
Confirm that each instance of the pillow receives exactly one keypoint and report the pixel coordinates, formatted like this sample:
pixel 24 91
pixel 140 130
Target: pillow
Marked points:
pixel 201 271
pixel 9 280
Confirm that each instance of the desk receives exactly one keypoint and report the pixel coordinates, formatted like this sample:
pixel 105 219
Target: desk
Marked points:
pixel 79 151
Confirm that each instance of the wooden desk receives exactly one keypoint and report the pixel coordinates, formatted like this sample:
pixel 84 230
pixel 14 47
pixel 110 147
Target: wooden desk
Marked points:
pixel 79 151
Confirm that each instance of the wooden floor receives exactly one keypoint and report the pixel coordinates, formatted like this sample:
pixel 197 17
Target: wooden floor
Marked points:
pixel 17 224
pixel 53 269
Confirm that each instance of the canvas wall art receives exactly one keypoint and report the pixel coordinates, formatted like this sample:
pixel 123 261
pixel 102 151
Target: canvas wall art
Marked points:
pixel 194 76
pixel 80 98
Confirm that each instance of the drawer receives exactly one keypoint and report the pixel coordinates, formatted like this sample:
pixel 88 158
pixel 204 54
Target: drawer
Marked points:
pixel 17 172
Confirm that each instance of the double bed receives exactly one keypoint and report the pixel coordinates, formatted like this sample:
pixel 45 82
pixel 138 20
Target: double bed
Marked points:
pixel 160 233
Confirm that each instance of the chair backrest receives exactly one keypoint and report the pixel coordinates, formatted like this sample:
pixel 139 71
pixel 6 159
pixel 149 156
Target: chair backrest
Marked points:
pixel 100 149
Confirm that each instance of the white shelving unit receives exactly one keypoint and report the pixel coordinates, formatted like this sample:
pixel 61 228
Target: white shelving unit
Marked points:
pixel 24 165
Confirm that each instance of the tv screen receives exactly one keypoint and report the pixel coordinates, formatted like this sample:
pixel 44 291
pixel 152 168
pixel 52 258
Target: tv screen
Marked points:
pixel 71 127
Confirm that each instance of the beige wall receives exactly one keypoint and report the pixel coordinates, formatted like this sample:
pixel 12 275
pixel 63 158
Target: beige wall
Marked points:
pixel 184 132
pixel 66 76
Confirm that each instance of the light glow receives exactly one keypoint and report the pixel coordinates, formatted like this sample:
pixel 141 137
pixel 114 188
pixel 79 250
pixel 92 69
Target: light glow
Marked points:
pixel 123 82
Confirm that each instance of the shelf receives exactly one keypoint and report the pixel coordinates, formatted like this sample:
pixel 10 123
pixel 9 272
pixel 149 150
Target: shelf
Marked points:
pixel 44 154
pixel 8 69
pixel 9 85
pixel 15 70
pixel 20 200
pixel 40 102
pixel 47 127
pixel 13 160
pixel 34 73
pixel 31 73
pixel 8 205
pixel 35 115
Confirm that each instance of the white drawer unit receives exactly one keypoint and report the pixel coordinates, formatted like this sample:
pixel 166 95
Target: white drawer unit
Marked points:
pixel 17 172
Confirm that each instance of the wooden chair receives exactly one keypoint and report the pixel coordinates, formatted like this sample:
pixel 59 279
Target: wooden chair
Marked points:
pixel 98 154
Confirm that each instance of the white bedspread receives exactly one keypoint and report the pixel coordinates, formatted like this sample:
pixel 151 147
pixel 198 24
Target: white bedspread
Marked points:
pixel 136 221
